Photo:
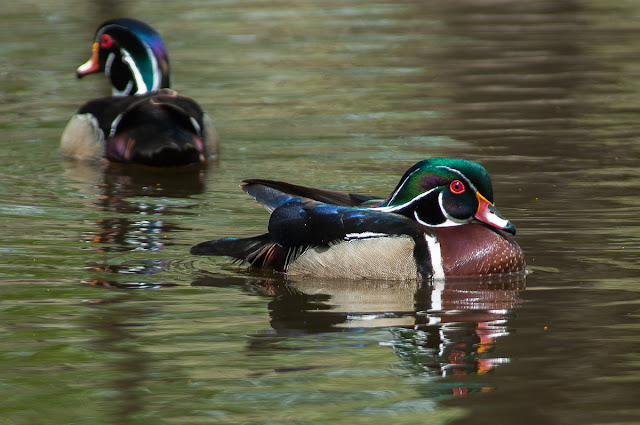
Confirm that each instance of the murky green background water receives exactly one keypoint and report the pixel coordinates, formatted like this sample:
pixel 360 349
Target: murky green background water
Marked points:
pixel 106 318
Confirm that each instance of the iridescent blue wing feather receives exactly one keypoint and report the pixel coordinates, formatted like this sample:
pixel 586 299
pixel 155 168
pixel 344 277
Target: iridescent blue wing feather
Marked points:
pixel 311 223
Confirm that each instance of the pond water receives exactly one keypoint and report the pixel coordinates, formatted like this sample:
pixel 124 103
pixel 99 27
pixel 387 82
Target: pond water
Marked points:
pixel 106 318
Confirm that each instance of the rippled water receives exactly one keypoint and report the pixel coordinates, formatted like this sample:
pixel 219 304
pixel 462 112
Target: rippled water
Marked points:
pixel 106 318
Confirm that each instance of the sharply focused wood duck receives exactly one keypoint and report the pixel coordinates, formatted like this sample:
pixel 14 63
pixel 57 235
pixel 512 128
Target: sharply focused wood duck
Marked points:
pixel 144 121
pixel 439 221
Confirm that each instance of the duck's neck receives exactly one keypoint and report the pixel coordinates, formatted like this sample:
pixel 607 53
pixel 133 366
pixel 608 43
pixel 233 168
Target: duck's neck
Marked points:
pixel 131 77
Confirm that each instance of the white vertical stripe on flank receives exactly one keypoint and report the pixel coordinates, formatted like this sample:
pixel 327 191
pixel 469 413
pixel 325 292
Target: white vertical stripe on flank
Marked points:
pixel 436 256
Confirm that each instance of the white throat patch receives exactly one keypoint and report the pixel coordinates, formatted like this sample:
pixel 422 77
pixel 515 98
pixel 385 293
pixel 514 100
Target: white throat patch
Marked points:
pixel 126 58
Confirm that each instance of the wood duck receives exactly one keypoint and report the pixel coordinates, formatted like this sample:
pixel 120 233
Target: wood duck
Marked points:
pixel 439 221
pixel 144 121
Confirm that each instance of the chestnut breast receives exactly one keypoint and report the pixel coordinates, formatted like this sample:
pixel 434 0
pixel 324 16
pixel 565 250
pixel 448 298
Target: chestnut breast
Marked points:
pixel 474 249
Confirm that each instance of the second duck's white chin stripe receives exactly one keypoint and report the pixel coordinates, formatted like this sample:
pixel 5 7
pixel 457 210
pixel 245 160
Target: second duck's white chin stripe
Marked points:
pixel 436 256
pixel 124 92
pixel 142 87
pixel 107 65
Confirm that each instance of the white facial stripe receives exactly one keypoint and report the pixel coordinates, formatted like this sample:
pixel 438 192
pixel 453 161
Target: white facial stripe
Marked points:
pixel 107 65
pixel 451 221
pixel 126 57
pixel 400 188
pixel 123 92
pixel 462 176
pixel 157 79
pixel 436 256
pixel 447 223
pixel 444 167
pixel 399 207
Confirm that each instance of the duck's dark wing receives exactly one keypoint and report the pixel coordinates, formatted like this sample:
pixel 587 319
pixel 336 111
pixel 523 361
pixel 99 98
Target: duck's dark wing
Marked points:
pixel 271 193
pixel 300 222
pixel 159 128
pixel 297 224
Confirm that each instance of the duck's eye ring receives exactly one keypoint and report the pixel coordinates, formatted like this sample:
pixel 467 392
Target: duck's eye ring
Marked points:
pixel 457 187
pixel 106 41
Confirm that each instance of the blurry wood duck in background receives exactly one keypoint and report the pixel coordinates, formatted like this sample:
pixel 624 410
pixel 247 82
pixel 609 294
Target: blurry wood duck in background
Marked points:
pixel 438 222
pixel 144 121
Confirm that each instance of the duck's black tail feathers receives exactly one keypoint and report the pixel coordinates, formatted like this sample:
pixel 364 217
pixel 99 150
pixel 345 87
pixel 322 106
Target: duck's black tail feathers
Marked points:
pixel 259 251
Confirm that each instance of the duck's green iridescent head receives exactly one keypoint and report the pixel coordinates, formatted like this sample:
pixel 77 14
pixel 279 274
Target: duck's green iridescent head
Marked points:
pixel 446 192
pixel 131 54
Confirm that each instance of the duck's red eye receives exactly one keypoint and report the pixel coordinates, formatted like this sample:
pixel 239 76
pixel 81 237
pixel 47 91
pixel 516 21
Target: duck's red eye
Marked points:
pixel 105 41
pixel 456 187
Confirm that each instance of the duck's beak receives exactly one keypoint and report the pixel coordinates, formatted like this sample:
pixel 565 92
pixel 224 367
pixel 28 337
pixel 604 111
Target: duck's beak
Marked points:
pixel 92 65
pixel 488 213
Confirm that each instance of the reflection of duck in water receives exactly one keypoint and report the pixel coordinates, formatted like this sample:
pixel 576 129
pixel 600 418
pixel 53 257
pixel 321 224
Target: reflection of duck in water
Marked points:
pixel 139 205
pixel 438 222
pixel 137 209
pixel 457 325
pixel 144 121
pixel 446 329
